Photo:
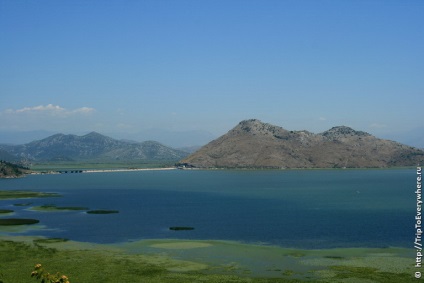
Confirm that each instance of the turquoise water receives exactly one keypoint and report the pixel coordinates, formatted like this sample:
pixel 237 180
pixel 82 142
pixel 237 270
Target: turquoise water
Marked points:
pixel 291 208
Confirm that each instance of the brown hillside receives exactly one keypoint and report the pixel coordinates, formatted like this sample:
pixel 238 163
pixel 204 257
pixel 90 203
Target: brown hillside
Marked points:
pixel 253 144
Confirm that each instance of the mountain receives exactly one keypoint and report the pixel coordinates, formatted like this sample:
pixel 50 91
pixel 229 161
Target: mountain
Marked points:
pixel 254 144
pixel 174 139
pixel 91 147
pixel 4 155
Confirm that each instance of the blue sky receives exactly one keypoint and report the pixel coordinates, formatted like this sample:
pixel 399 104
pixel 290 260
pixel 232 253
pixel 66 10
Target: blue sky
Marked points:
pixel 121 67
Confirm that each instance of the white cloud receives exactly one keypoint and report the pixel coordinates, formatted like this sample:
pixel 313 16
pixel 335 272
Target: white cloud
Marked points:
pixel 41 108
pixel 322 119
pixel 49 117
pixel 50 109
pixel 85 110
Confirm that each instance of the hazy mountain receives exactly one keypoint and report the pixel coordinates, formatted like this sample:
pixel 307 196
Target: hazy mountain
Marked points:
pixel 91 147
pixel 174 139
pixel 253 144
pixel 4 155
pixel 190 149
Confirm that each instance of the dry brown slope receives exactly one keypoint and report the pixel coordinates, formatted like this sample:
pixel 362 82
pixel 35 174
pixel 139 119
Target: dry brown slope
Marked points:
pixel 254 144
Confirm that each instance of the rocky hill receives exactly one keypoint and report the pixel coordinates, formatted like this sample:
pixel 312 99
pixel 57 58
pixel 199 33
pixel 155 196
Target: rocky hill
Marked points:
pixel 10 170
pixel 91 147
pixel 254 144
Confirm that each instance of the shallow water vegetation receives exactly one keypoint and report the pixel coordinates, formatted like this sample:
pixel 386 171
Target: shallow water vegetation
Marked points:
pixel 23 204
pixel 296 254
pixel 53 207
pixel 49 240
pixel 343 272
pixel 102 211
pixel 18 258
pixel 17 221
pixel 25 194
pixel 181 228
pixel 84 262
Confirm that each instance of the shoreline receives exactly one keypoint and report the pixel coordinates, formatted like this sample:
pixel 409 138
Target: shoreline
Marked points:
pixel 80 171
pixel 84 171
pixel 127 170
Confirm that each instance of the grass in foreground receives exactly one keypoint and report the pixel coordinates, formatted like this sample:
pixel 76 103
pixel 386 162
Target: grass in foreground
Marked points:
pixel 99 263
pixel 17 260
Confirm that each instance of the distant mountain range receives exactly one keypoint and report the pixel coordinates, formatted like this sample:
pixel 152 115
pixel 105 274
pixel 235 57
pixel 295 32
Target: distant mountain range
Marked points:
pixel 251 144
pixel 254 144
pixel 174 139
pixel 90 147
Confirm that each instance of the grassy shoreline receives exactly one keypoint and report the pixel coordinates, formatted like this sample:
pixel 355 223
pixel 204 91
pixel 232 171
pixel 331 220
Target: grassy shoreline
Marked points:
pixel 200 261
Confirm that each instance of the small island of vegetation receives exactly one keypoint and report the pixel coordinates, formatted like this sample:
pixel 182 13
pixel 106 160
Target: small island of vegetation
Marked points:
pixel 102 211
pixel 181 228
pixel 25 194
pixel 17 221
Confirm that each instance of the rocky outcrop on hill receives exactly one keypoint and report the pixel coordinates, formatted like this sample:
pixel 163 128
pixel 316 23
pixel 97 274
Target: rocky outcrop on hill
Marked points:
pixel 254 144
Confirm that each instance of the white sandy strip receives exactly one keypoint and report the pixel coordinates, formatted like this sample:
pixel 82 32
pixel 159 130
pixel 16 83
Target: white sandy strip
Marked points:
pixel 127 170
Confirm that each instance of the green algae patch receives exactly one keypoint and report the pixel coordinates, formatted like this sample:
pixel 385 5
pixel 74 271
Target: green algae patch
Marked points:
pixel 397 261
pixel 50 240
pixel 53 208
pixel 227 257
pixel 23 204
pixel 102 211
pixel 234 258
pixel 6 211
pixel 362 265
pixel 100 264
pixel 370 274
pixel 25 194
pixel 297 254
pixel 19 229
pixel 181 245
pixel 17 221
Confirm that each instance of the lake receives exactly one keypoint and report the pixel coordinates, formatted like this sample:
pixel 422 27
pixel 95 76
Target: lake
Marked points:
pixel 311 209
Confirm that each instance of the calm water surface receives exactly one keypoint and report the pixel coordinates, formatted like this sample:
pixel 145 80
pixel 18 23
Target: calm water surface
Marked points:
pixel 299 208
